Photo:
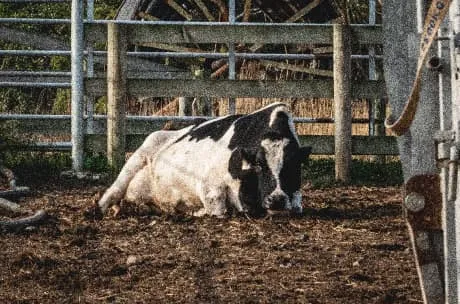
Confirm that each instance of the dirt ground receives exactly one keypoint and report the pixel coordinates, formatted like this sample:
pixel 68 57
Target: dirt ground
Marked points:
pixel 350 246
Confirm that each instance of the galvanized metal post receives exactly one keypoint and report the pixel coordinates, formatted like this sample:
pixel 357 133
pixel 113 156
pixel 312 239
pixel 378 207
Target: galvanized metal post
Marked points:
pixel 90 72
pixel 90 56
pixel 342 102
pixel 446 174
pixel 454 18
pixel 77 85
pixel 231 56
pixel 376 106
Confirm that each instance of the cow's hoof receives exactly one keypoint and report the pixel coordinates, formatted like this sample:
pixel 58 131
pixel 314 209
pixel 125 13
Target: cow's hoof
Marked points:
pixel 93 213
pixel 297 210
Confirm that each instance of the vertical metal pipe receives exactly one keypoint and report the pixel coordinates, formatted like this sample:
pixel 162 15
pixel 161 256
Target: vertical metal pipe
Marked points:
pixel 420 15
pixel 372 74
pixel 90 56
pixel 90 71
pixel 90 10
pixel 231 56
pixel 454 18
pixel 231 11
pixel 448 176
pixel 77 84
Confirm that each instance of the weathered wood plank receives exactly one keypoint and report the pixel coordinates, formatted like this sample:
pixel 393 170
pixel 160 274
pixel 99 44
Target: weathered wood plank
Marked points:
pixel 321 144
pixel 233 33
pixel 237 88
pixel 36 40
pixel 116 95
pixel 128 9
pixel 361 145
pixel 61 126
pixel 342 102
pixel 225 33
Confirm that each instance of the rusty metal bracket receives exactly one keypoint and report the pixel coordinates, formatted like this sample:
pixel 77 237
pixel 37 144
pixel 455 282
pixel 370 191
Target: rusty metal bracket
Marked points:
pixel 423 210
pixel 443 140
pixel 423 202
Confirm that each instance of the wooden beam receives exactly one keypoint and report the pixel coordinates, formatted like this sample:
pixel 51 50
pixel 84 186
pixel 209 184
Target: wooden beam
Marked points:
pixel 228 33
pixel 237 88
pixel 296 68
pixel 33 39
pixel 179 9
pixel 147 17
pixel 247 10
pixel 321 144
pixel 128 9
pixel 205 10
pixel 116 95
pixel 301 13
pixel 171 47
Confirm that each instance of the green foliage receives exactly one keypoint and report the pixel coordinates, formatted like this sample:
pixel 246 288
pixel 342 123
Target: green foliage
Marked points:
pixel 321 173
pixel 355 11
pixel 31 167
pixel 96 163
pixel 62 103
pixel 100 106
pixel 106 9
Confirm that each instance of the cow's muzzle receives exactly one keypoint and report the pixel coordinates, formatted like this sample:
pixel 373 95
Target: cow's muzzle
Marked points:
pixel 276 202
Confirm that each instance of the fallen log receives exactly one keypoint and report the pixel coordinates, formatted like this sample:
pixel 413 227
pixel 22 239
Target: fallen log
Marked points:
pixel 15 193
pixel 18 224
pixel 9 207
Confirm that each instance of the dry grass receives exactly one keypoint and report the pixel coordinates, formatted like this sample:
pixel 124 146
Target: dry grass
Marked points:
pixel 300 107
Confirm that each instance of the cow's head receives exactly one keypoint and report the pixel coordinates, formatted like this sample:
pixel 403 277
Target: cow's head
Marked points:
pixel 274 169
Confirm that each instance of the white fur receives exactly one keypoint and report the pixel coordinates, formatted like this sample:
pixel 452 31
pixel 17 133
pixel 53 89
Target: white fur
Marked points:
pixel 131 179
pixel 196 172
pixel 176 175
pixel 274 156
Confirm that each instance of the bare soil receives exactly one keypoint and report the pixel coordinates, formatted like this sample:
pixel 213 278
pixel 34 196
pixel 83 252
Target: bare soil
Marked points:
pixel 350 246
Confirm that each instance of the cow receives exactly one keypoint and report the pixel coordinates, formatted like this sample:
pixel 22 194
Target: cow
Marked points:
pixel 248 163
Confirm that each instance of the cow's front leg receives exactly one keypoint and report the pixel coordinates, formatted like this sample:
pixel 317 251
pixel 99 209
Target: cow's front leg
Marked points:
pixel 135 163
pixel 117 191
pixel 214 202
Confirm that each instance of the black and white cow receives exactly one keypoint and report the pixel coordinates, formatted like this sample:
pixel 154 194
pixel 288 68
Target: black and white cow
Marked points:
pixel 245 162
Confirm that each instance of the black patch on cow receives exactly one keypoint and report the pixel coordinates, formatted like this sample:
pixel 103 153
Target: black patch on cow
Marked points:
pixel 249 187
pixel 250 129
pixel 214 129
pixel 281 125
pixel 249 194
pixel 290 175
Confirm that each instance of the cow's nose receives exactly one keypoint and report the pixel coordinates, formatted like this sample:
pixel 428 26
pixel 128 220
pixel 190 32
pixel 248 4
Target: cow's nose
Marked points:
pixel 276 202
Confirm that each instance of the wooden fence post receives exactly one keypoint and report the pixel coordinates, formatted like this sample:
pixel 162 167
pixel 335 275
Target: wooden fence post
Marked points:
pixel 342 102
pixel 185 106
pixel 116 95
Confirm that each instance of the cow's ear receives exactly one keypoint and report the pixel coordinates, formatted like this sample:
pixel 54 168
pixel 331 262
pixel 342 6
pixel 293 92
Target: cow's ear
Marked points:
pixel 249 162
pixel 304 153
pixel 248 155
